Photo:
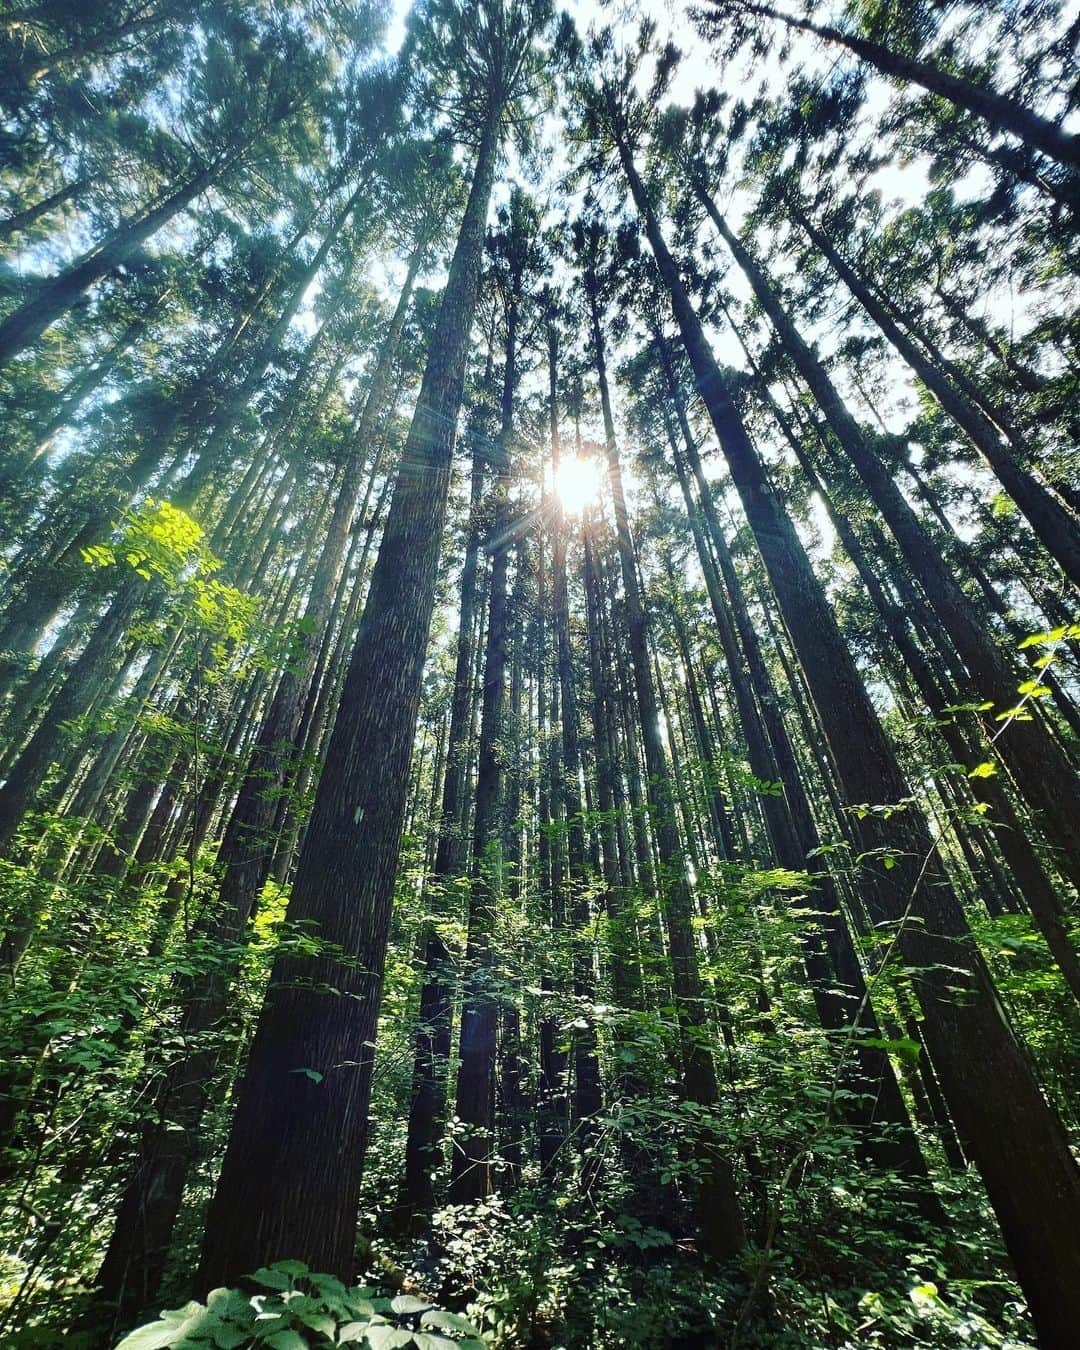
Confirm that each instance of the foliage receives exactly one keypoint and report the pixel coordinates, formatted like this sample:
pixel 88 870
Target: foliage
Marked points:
pixel 302 1309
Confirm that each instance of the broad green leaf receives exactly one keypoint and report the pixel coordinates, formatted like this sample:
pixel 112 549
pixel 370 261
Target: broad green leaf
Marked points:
pixel 388 1338
pixel 271 1278
pixel 156 1336
pixel 287 1340
pixel 293 1268
pixel 448 1321
pixel 230 1337
pixel 321 1322
pixel 174 1326
pixel 405 1304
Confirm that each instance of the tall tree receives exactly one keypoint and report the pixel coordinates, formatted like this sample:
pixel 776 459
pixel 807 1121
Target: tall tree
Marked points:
pixel 356 821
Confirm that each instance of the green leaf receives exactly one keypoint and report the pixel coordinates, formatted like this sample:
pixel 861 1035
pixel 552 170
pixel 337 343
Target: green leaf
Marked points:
pixel 293 1268
pixel 153 1337
pixel 426 1342
pixel 351 1332
pixel 986 769
pixel 1037 639
pixel 1034 689
pixel 448 1321
pixel 1016 714
pixel 405 1304
pixel 287 1340
pixel 228 1338
pixel 317 1321
pixel 271 1278
pixel 313 1074
pixel 904 1046
pixel 173 1327
pixel 388 1338
pixel 223 1302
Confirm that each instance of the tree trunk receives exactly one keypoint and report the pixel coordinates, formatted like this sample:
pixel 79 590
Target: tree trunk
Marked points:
pixel 1041 771
pixel 1049 517
pixel 434 1028
pixel 998 111
pixel 53 298
pixel 723 1235
pixel 289 1184
pixel 472 1162
pixel 22 220
pixel 835 974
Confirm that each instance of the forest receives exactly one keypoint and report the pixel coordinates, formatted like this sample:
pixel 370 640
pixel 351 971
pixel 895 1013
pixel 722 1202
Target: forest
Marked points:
pixel 539 674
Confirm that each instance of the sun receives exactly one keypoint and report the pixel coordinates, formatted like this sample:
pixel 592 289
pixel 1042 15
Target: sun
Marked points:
pixel 577 483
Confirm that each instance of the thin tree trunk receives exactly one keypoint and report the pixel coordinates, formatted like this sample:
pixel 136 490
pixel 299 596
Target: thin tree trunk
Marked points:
pixel 471 1169
pixel 22 220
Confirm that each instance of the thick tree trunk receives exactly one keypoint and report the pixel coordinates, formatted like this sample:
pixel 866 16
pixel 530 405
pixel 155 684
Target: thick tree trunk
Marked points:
pixel 148 1208
pixel 289 1184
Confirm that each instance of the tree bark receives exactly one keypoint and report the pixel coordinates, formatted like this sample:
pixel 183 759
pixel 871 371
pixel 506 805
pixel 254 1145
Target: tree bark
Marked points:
pixel 289 1184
